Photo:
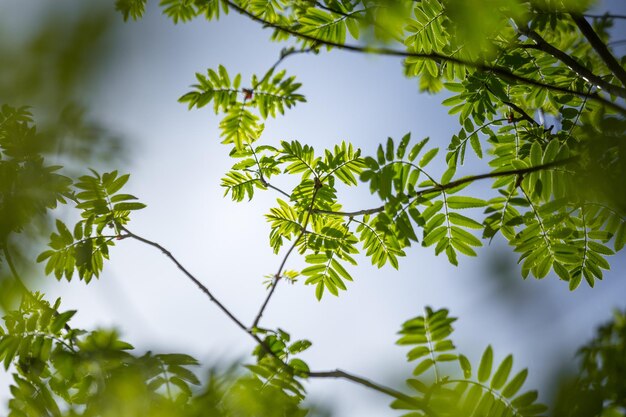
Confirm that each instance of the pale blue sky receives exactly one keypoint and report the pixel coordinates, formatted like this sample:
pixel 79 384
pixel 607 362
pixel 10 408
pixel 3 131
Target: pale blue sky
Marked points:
pixel 176 166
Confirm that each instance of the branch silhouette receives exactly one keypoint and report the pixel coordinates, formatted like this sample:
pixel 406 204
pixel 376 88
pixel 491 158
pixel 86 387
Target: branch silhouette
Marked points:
pixel 500 71
pixel 337 373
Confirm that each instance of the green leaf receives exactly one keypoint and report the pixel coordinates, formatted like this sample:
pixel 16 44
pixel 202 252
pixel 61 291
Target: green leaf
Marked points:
pixel 515 384
pixel 299 346
pixel 128 206
pixel 502 373
pixel 484 369
pixel 60 321
pixel 423 366
pixel 475 142
pixel 466 366
pixel 115 185
pixel 460 220
pixel 525 399
pixel 459 202
pixel 133 9
pixel 299 366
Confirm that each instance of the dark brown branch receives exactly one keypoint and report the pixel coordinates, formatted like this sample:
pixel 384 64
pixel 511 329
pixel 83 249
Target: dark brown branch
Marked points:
pixel 600 47
pixel 13 269
pixel 189 275
pixel 579 69
pixel 461 181
pixel 502 72
pixel 338 373
pixel 284 54
pixel 312 374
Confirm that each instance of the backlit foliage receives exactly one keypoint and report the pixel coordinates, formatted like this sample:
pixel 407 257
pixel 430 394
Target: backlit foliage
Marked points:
pixel 538 95
pixel 490 390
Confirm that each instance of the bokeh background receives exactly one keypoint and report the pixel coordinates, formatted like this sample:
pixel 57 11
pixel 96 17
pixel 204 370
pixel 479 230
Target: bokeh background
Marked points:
pixel 106 93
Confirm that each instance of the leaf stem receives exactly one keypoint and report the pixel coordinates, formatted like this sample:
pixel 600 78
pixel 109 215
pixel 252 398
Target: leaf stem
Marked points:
pixel 338 373
pixel 431 348
pixel 285 53
pixel 605 16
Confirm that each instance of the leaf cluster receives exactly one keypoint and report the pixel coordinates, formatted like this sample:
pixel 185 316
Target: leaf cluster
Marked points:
pixel 492 391
pixel 500 75
pixel 276 366
pixel 598 388
pixel 62 371
pixel 269 95
pixel 102 206
pixel 533 92
pixel 28 185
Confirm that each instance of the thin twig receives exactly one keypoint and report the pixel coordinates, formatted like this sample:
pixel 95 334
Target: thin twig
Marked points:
pixel 502 72
pixel 189 275
pixel 278 274
pixel 311 374
pixel 521 111
pixel 351 213
pixel 338 373
pixel 268 185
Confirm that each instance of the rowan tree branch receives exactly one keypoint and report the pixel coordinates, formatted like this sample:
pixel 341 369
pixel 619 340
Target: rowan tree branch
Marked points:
pixel 284 54
pixel 189 275
pixel 579 69
pixel 501 71
pixel 461 181
pixel 311 374
pixel 278 274
pixel 587 30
